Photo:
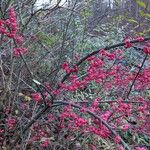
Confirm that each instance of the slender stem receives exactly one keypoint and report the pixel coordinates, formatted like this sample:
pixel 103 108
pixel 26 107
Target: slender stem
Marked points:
pixel 111 101
pixel 32 76
pixel 58 103
pixel 3 74
pixel 99 119
pixel 39 10
pixel 136 76
pixel 96 52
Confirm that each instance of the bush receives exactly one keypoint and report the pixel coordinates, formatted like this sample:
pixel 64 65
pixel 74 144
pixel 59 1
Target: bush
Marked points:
pixel 105 99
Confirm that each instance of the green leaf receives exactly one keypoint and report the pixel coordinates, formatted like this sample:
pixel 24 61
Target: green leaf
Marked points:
pixel 142 13
pixel 132 21
pixel 141 3
pixel 86 13
pixel 147 15
pixel 48 40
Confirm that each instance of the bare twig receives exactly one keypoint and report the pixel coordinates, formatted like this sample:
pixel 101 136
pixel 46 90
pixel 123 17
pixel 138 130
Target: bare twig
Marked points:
pixel 99 119
pixel 96 52
pixel 136 76
pixel 58 103
pixel 39 10
pixel 3 75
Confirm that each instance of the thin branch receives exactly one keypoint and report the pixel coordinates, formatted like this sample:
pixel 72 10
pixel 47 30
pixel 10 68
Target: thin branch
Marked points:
pixel 96 52
pixel 99 119
pixel 39 10
pixel 18 136
pixel 21 80
pixel 136 76
pixel 2 72
pixel 67 26
pixel 113 101
pixel 39 84
pixel 59 103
